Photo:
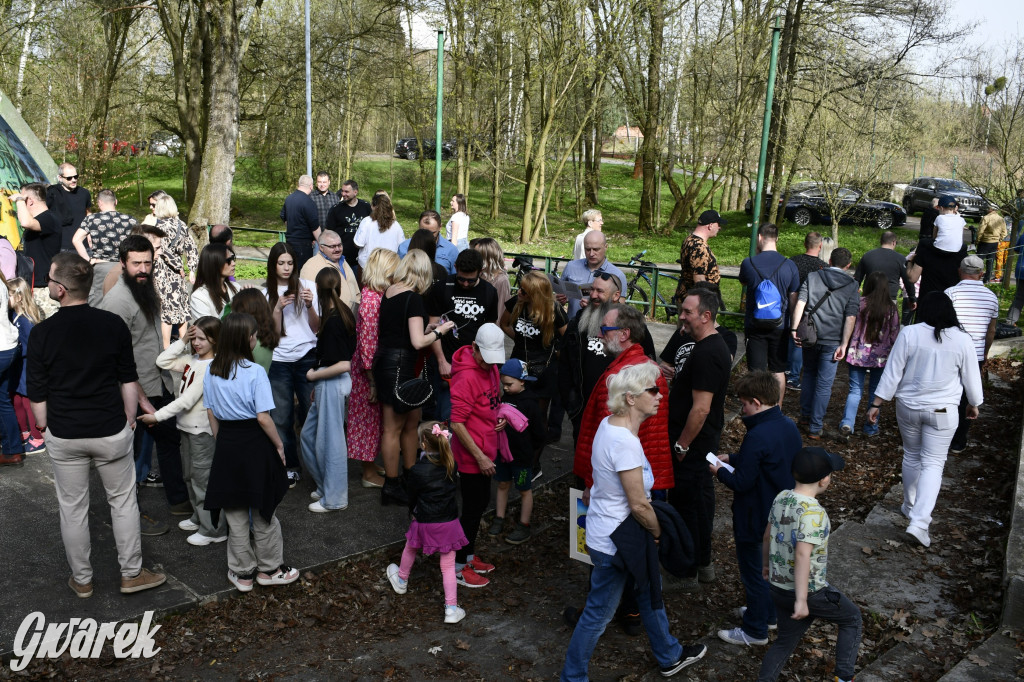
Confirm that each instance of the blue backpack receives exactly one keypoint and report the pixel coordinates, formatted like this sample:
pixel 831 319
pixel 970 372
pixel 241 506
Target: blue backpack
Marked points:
pixel 767 301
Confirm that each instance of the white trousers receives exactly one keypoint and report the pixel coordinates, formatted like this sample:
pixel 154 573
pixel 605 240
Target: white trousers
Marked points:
pixel 926 438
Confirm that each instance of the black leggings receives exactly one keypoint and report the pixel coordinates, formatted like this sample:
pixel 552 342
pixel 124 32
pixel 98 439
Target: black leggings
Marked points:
pixel 476 495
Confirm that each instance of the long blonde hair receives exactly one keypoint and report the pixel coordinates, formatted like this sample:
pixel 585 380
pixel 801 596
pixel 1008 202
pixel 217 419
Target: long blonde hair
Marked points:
pixel 440 444
pixel 22 301
pixel 380 268
pixel 494 257
pixel 539 298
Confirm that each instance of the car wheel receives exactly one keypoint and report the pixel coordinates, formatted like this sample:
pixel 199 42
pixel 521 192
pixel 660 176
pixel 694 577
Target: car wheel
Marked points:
pixel 802 217
pixel 411 156
pixel 884 220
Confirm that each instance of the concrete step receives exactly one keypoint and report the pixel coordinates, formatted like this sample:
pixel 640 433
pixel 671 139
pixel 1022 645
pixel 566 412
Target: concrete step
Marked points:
pixel 998 659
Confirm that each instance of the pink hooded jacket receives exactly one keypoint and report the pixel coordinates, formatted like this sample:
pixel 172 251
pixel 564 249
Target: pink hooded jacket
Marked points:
pixel 476 397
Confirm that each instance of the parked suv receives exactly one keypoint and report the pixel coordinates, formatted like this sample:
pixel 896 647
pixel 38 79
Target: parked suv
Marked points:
pixel 407 148
pixel 919 194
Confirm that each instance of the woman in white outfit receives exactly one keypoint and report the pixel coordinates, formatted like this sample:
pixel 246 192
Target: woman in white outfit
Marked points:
pixel 457 229
pixel 931 364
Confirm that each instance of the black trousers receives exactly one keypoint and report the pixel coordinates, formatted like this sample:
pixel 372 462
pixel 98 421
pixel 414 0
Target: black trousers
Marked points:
pixel 168 453
pixel 476 494
pixel 960 435
pixel 694 498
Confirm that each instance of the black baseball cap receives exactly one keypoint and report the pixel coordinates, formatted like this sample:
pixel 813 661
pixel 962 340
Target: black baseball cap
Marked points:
pixel 708 217
pixel 815 463
pixel 946 201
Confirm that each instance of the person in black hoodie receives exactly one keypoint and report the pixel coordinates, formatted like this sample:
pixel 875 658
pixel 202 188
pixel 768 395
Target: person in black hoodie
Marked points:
pixel 435 525
pixel 515 380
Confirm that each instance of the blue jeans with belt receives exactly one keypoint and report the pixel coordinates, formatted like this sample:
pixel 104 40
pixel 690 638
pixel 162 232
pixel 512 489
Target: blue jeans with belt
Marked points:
pixel 289 385
pixel 607 582
pixel 10 432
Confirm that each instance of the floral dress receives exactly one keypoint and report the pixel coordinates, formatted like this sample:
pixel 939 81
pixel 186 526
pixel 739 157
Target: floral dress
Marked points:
pixel 364 416
pixel 168 274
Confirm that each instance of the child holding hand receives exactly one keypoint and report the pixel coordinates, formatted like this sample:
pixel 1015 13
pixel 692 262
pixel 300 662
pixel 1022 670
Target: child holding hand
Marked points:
pixel 435 525
pixel 795 562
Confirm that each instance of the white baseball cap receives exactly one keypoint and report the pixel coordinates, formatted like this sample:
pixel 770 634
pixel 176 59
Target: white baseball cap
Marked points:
pixel 491 342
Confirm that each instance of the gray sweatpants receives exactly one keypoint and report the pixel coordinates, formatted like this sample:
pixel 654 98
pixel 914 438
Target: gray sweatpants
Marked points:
pixel 265 551
pixel 196 460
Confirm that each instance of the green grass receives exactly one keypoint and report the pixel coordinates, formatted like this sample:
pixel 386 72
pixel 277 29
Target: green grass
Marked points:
pixel 255 205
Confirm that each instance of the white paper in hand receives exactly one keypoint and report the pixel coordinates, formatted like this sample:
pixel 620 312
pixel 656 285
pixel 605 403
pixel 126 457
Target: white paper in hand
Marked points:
pixel 713 459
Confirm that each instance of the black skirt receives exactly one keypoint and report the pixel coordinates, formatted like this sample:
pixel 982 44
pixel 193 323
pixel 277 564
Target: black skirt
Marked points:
pixel 392 366
pixel 247 472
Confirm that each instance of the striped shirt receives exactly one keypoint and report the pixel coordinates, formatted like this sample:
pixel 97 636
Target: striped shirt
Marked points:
pixel 976 307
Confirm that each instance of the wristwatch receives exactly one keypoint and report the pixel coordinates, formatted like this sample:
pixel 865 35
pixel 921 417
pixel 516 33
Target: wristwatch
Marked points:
pixel 679 449
pixel 437 334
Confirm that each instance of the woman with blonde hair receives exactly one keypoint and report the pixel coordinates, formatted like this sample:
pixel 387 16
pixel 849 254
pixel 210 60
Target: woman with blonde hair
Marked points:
pixel 534 322
pixel 403 333
pixel 364 410
pixel 26 315
pixel 380 230
pixel 168 273
pixel 494 267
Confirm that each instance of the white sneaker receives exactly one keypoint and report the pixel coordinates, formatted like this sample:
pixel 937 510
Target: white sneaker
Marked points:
pixel 200 540
pixel 189 525
pixel 737 636
pixel 453 614
pixel 743 609
pixel 400 586
pixel 315 495
pixel 319 508
pixel 921 535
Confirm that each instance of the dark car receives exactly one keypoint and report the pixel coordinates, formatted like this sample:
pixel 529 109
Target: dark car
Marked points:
pixel 807 205
pixel 919 194
pixel 407 148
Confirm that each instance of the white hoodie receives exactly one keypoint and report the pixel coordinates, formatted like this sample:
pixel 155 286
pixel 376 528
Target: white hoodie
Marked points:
pixel 188 406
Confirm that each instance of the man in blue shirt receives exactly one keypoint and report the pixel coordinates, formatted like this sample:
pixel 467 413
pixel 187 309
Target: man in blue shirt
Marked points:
pixel 768 348
pixel 581 272
pixel 446 251
pixel 302 221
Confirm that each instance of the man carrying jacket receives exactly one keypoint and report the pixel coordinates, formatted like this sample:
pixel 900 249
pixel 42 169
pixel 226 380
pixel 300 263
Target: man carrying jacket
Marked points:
pixel 833 296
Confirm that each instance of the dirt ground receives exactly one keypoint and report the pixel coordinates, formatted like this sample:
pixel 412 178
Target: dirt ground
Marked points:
pixel 347 623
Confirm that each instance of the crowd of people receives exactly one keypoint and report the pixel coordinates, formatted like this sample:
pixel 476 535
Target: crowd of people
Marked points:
pixel 363 344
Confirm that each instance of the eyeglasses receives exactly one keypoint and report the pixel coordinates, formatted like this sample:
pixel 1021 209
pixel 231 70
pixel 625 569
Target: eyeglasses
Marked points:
pixel 332 247
pixel 467 280
pixel 606 276
pixel 70 177
pixel 653 390
pixel 605 330
pixel 52 280
pixel 152 205
pixel 229 260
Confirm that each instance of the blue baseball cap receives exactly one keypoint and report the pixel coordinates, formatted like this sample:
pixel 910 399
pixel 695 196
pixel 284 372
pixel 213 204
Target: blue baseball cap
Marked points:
pixel 516 369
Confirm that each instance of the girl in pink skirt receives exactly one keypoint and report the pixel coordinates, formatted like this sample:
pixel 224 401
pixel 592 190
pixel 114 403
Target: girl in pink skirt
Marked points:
pixel 435 525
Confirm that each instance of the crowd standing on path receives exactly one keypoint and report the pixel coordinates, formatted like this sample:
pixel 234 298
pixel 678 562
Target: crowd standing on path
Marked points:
pixel 358 334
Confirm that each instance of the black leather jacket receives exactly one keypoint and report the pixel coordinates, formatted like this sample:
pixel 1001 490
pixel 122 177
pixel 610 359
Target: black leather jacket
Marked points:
pixel 431 493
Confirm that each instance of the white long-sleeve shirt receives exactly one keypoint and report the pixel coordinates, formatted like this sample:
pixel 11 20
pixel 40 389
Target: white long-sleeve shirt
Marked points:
pixel 188 406
pixel 927 375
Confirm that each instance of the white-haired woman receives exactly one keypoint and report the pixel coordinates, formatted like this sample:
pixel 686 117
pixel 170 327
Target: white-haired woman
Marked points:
pixel 168 271
pixel 622 486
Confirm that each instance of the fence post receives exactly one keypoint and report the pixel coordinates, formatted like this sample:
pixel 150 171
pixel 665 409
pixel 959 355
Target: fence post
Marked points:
pixel 955 159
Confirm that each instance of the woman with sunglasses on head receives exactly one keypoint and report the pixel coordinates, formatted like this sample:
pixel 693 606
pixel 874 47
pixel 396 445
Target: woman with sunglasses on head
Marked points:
pixel 294 302
pixel 214 288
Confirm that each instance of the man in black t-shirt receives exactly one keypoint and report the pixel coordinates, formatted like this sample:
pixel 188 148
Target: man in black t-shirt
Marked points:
pixel 938 270
pixel 344 218
pixel 42 230
pixel 69 202
pixel 469 301
pixel 695 420
pixel 928 216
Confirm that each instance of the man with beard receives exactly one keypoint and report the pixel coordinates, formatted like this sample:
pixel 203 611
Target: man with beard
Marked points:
pixel 344 218
pixel 582 355
pixel 695 420
pixel 134 300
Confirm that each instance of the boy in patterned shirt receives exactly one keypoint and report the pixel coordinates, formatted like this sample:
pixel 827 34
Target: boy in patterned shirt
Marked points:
pixel 795 563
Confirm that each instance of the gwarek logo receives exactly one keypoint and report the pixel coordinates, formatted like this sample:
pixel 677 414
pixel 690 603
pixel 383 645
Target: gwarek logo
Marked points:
pixel 81 638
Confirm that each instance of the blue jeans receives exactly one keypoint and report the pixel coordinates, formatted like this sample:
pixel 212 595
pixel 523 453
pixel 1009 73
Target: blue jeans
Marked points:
pixel 816 388
pixel 168 450
pixel 10 432
pixel 796 361
pixel 829 604
pixel 324 451
pixel 144 462
pixel 607 581
pixel 856 390
pixel 288 383
pixel 760 610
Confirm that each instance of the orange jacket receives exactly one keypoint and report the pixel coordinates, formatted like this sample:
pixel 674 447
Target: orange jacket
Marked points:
pixel 653 432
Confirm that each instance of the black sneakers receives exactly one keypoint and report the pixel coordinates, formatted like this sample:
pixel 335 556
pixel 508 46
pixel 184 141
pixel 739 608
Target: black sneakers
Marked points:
pixel 691 654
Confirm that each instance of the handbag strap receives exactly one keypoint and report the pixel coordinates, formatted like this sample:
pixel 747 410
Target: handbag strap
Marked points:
pixel 821 300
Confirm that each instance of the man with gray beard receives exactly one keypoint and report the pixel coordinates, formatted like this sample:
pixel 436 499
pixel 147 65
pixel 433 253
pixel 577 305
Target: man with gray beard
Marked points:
pixel 583 356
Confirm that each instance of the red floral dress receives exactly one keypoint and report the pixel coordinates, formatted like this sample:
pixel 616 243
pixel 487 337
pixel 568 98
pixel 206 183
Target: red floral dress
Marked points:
pixel 364 416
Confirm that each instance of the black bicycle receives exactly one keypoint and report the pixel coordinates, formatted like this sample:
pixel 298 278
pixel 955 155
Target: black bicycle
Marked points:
pixel 636 293
pixel 524 265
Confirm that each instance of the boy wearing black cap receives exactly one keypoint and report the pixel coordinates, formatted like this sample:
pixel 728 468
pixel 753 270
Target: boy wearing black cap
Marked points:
pixel 795 562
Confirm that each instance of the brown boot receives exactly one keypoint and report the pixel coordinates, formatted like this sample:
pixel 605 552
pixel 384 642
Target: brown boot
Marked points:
pixel 11 460
pixel 145 580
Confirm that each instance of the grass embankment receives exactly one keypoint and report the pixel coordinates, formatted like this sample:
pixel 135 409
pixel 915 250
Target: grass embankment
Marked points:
pixel 255 205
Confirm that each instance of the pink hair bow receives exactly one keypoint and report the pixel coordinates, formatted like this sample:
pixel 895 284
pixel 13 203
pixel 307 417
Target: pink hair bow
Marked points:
pixel 438 431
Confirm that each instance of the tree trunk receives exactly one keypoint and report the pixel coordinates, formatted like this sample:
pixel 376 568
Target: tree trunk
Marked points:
pixel 212 202
pixel 651 121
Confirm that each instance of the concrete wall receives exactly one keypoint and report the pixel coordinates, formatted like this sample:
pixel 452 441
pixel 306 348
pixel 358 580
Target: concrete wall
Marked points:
pixel 1013 604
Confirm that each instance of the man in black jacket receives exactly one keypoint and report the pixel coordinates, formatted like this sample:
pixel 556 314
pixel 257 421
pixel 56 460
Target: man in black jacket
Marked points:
pixel 70 202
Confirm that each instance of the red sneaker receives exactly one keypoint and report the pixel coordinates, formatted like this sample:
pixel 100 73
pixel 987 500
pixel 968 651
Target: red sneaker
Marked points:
pixel 480 566
pixel 467 577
